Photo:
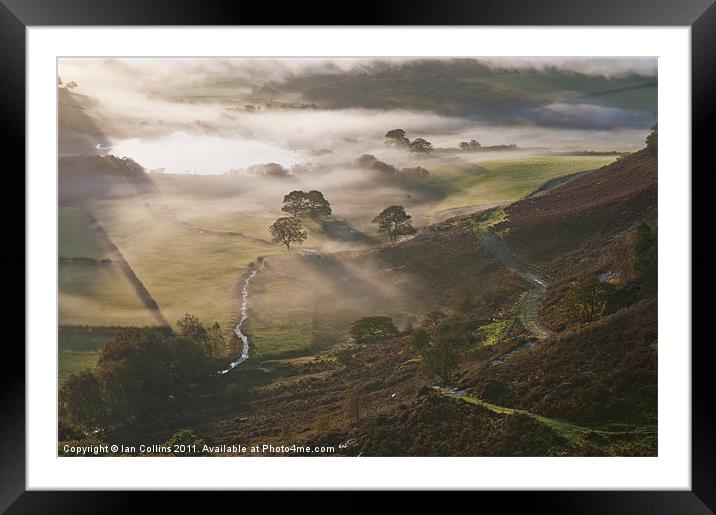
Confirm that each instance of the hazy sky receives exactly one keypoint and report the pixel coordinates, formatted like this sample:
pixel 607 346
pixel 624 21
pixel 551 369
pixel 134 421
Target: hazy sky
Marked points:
pixel 213 115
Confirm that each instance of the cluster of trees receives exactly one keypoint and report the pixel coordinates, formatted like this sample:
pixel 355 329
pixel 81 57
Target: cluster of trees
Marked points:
pixel 139 372
pixel 434 348
pixel 409 177
pixel 470 145
pixel 289 230
pixel 372 328
pixel 392 221
pixel 398 138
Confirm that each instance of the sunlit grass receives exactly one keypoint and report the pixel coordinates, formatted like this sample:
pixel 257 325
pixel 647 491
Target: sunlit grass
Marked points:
pixel 74 361
pixel 99 295
pixel 641 436
pixel 76 237
pixel 184 271
pixel 489 182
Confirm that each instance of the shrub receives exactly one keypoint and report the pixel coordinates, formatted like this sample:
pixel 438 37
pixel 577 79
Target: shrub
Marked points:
pixel 187 443
pixel 372 328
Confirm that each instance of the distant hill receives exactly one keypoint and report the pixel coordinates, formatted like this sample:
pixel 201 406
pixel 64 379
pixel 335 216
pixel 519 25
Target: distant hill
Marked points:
pixel 88 177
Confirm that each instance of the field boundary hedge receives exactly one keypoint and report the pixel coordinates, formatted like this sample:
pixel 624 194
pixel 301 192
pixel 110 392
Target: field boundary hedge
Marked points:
pixel 127 270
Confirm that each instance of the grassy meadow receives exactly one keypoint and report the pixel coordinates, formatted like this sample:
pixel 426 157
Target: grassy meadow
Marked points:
pixel 497 181
pixel 76 236
pixel 93 294
pixel 185 270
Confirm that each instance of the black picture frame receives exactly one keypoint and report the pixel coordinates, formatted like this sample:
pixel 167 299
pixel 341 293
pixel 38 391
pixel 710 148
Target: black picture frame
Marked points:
pixel 17 15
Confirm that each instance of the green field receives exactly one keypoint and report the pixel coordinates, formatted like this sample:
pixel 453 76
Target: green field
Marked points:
pixel 254 225
pixel 187 271
pixel 80 350
pixel 74 361
pixel 93 294
pixel 183 270
pixel 76 237
pixel 489 182
pixel 99 295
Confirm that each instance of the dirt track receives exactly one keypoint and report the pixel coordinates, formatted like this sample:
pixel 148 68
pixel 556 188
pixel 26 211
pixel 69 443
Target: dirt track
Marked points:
pixel 529 310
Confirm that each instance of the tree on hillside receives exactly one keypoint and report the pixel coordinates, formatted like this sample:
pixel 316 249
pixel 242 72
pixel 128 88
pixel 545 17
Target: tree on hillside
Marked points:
pixel 123 393
pixel 288 230
pixel 396 138
pixel 394 222
pixel 420 340
pixel 652 140
pixel 140 367
pixel 439 359
pixel 372 328
pixel 295 203
pixel 417 174
pixel 210 340
pixel 137 372
pixel 586 299
pixel 434 318
pixel 81 399
pixel 421 146
pixel 317 205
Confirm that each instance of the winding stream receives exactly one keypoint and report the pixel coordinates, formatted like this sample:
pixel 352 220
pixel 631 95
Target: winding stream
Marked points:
pixel 244 315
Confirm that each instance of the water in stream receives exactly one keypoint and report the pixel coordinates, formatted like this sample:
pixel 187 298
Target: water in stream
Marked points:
pixel 244 315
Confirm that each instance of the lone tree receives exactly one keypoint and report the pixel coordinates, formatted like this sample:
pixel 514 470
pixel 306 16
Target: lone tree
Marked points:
pixel 652 140
pixel 421 146
pixel 372 328
pixel 394 222
pixel 295 203
pixel 439 359
pixel 396 138
pixel 420 340
pixel 587 298
pixel 300 203
pixel 288 230
pixel 317 205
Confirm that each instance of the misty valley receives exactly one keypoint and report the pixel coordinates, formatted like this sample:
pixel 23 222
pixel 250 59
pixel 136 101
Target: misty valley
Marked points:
pixel 447 257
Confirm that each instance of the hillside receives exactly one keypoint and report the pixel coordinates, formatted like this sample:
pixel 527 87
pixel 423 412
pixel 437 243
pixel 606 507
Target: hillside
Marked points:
pixel 579 223
pixel 578 388
pixel 89 177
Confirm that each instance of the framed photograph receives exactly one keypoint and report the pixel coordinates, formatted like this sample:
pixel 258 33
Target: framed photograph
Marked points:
pixel 441 248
